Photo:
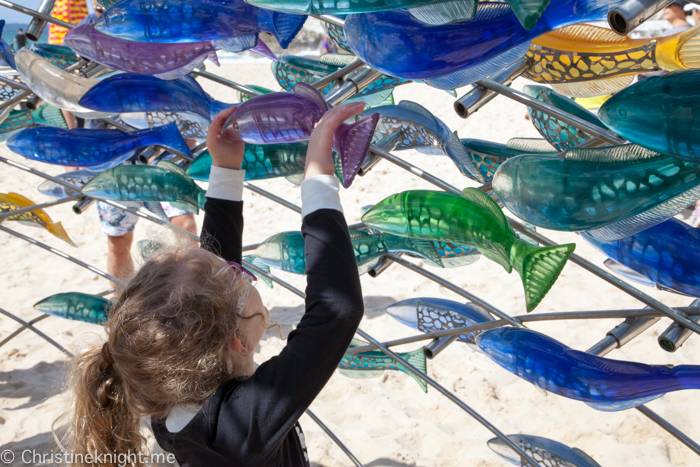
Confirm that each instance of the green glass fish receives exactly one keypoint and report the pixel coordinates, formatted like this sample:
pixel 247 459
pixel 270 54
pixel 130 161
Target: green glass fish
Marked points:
pixel 256 262
pixel 471 219
pixel 487 156
pixel 372 364
pixel 562 135
pixel 45 114
pixel 285 251
pixel 164 182
pixel 76 306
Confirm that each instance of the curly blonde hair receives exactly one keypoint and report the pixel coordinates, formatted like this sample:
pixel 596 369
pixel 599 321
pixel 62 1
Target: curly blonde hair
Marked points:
pixel 169 336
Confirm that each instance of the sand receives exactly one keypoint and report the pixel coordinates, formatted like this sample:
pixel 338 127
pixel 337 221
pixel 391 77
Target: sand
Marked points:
pixel 387 421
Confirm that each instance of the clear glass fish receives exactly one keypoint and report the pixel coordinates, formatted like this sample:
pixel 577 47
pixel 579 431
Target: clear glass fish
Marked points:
pixel 60 55
pixel 39 217
pixel 77 178
pixel 546 452
pixel 556 368
pixel 471 218
pixel 76 306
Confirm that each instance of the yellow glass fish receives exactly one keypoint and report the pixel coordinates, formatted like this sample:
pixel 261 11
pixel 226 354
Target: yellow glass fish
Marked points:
pixel 14 201
pixel 586 61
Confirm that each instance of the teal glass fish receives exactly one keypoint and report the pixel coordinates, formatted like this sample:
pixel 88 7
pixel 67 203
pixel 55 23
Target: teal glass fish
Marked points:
pixel 76 306
pixel 285 251
pixel 659 113
pixel 372 364
pixel 562 135
pixel 471 218
pixel 487 157
pixel 44 115
pixel 60 55
pixel 337 36
pixel 164 182
pixel 612 192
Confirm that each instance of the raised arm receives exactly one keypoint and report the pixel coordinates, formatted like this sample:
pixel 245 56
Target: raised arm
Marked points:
pixel 222 230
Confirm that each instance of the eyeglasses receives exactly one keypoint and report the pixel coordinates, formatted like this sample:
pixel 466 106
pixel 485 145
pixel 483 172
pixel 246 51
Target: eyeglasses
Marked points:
pixel 237 266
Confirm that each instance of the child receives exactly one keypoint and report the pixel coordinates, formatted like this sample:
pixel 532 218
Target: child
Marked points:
pixel 183 332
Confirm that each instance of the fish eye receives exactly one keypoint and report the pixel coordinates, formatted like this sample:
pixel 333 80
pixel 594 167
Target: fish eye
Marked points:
pixel 235 126
pixel 385 216
pixel 622 112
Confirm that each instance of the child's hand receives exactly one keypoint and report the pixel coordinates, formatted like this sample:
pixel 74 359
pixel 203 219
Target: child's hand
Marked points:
pixel 319 156
pixel 224 152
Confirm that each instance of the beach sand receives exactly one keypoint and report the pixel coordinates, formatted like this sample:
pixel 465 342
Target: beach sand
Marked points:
pixel 386 421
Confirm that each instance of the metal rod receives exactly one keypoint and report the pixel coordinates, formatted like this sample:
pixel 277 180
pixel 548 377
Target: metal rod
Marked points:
pixel 39 206
pixel 353 85
pixel 335 439
pixel 598 132
pixel 330 19
pixel 37 25
pixel 14 84
pixel 23 328
pixel 622 334
pixel 36 14
pixel 33 329
pixel 338 74
pixel 274 198
pixel 15 100
pixel 625 18
pixel 675 335
pixel 438 345
pixel 479 96
pixel 226 82
pixel 82 204
pixel 251 247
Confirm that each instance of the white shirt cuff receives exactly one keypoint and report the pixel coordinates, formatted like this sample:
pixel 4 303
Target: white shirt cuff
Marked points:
pixel 320 192
pixel 226 184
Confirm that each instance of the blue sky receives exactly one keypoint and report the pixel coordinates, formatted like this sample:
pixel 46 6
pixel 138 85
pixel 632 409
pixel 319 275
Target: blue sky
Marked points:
pixel 12 16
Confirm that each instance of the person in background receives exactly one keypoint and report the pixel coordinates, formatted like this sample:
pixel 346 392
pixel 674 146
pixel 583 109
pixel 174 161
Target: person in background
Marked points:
pixel 327 46
pixel 20 40
pixel 674 14
pixel 694 10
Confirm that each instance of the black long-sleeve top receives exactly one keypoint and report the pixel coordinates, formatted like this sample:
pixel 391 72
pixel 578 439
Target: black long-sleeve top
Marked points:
pixel 253 422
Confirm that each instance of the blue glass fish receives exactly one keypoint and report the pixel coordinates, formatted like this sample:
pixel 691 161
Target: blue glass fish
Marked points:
pixel 76 306
pixel 373 363
pixel 139 93
pixel 422 130
pixel 99 149
pixel 559 133
pixel 488 156
pixel 546 452
pixel 7 53
pixel 454 55
pixel 232 24
pixel 667 254
pixel 603 383
pixel 77 178
pixel 613 192
pixel 436 314
pixel 659 113
pixel 190 125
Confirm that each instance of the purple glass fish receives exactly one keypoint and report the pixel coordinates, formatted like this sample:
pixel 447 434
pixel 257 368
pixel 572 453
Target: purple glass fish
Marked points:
pixel 169 61
pixel 284 117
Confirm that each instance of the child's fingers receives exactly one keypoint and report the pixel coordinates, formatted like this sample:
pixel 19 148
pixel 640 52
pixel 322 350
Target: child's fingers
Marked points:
pixel 337 115
pixel 218 123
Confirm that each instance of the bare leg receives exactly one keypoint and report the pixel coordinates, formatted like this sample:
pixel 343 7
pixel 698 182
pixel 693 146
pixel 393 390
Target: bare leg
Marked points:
pixel 119 262
pixel 186 222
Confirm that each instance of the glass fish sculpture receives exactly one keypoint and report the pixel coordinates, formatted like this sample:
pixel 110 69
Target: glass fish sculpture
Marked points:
pixel 166 61
pixel 666 254
pixel 471 218
pixel 285 251
pixel 76 306
pixel 7 92
pixel 77 178
pixel 292 69
pixel 586 61
pixel 60 55
pixel 546 452
pixel 163 182
pixel 420 129
pixel 284 117
pixel 560 134
pixel 658 113
pixel 436 314
pixel 130 93
pixel 373 363
pixel 190 125
pixel 488 156
pixel 612 192
pixel 98 149
pixel 602 383
pixel 44 115
pixel 7 53
pixel 458 54
pixel 53 85
pixel 37 218
pixel 107 3
pixel 233 24
pixel 337 36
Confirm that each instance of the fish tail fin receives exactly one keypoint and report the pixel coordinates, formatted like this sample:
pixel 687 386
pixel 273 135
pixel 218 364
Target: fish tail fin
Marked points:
pixel 352 143
pixel 47 114
pixel 283 26
pixel 528 11
pixel 57 230
pixel 689 49
pixel 539 268
pixel 417 359
pixel 456 151
pixel 167 136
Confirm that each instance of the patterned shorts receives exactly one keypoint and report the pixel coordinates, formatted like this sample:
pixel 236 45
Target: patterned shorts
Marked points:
pixel 116 222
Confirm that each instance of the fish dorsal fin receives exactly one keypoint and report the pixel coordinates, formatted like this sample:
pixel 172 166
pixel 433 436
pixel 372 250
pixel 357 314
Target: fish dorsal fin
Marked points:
pixel 606 364
pixel 338 59
pixel 584 34
pixel 419 109
pixel 19 200
pixel 444 13
pixel 170 167
pixel 358 343
pixel 530 145
pixel 295 179
pixel 693 233
pixel 483 200
pixel 612 154
pixel 310 93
